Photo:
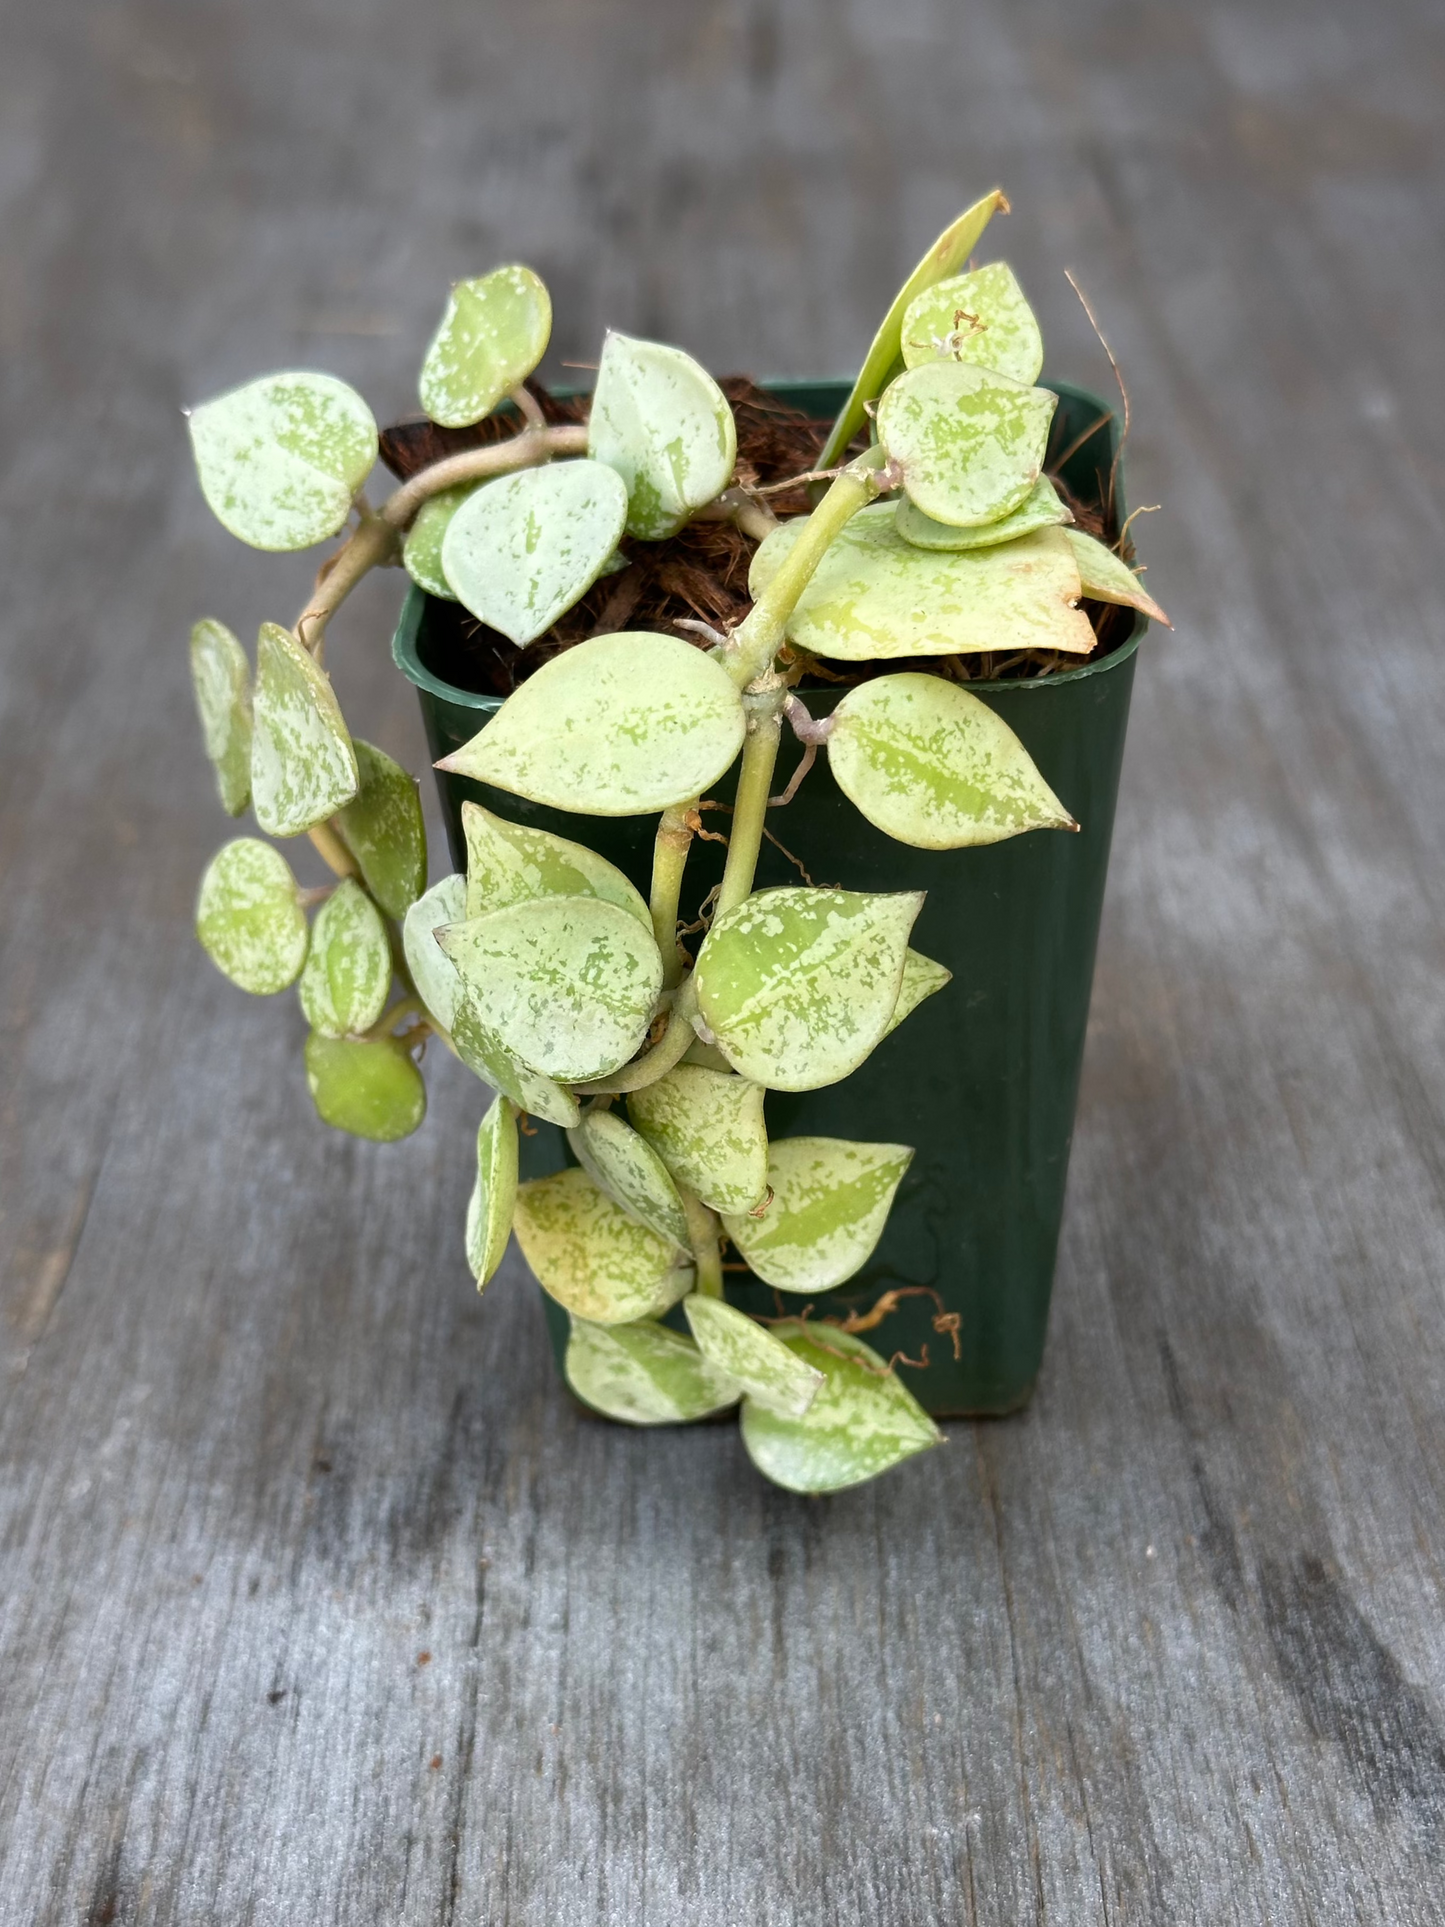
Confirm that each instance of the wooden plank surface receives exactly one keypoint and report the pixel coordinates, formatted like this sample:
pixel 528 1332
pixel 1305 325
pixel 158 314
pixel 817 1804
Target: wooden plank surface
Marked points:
pixel 318 1602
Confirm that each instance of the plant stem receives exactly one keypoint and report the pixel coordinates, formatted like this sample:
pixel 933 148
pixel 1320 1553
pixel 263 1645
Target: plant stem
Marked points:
pixel 706 1250
pixel 755 780
pixel 526 450
pixel 669 860
pixel 334 853
pixel 371 543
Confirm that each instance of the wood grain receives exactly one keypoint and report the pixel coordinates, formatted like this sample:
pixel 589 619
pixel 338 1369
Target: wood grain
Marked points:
pixel 318 1600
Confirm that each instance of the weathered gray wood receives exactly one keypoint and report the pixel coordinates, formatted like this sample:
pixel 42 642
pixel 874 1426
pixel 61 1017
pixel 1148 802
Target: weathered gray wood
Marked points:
pixel 320 1603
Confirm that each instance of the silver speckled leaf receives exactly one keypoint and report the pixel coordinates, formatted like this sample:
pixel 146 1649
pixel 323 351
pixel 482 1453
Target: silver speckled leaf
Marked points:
pixel 494 1195
pixel 484 1054
pixel 521 550
pixel 281 459
pixel 493 332
pixel 303 767
pixel 830 1202
pixel 631 1173
pixel 249 918
pixel 662 422
pixel 370 1088
pixel 385 831
pixel 863 1421
pixel 221 677
pixel 1041 508
pixel 970 442
pixel 348 967
pixel 1108 578
pixel 644 1374
pixel 770 1372
pixel 421 552
pixel 621 725
pixel 590 1256
pixel 511 863
pixel 980 317
pixel 432 970
pixel 921 978
pixel 707 1127
pixel 798 985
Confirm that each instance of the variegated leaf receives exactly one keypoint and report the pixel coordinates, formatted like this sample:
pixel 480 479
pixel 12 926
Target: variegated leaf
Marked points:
pixel 921 978
pixel 221 677
pixel 663 423
pixel 644 1374
pixel 421 552
pixel 494 331
pixel 590 1256
pixel 707 1127
pixel 981 317
pixel 348 967
pixel 797 985
pixel 385 830
pixel 249 917
pixel 863 1421
pixel 948 253
pixel 494 1195
pixel 568 984
pixel 621 725
pixel 877 597
pixel 432 970
pixel 281 459
pixel 933 766
pixel 509 863
pixel 303 767
pixel 520 551
pixel 1041 508
pixel 631 1173
pixel 484 1054
pixel 970 443
pixel 770 1372
pixel 369 1087
pixel 1108 578
pixel 830 1202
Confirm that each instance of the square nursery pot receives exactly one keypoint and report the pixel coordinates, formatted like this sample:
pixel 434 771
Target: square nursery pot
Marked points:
pixel 983 1079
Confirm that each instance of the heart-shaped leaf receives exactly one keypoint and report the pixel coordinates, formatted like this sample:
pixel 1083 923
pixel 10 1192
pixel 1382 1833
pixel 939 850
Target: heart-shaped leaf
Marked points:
pixel 303 767
pixel 590 1256
pixel 935 767
pixel 970 443
pixel 770 1372
pixel 221 677
pixel 875 596
pixel 348 968
pixel 663 423
pixel 921 978
pixel 520 551
pixel 631 1173
pixel 980 317
pixel 619 726
pixel 508 863
pixel 568 984
pixel 494 331
pixel 830 1202
pixel 863 1421
pixel 707 1127
pixel 421 552
pixel 1041 508
pixel 432 970
pixel 249 918
pixel 1107 578
pixel 797 986
pixel 385 831
pixel 369 1087
pixel 281 459
pixel 948 253
pixel 644 1374
pixel 483 1053
pixel 494 1195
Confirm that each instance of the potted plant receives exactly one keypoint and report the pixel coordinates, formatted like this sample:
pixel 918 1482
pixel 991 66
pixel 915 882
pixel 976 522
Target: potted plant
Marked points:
pixel 698 1049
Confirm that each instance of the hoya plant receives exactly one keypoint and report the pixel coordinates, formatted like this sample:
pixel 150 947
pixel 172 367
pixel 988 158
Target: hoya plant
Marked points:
pixel 935 532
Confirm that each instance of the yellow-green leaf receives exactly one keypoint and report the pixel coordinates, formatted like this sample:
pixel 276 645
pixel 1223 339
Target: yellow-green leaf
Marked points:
pixel 590 1256
pixel 249 917
pixel 933 766
pixel 644 1374
pixel 385 830
pixel 221 677
pixel 494 1195
pixel 281 458
pixel 863 1421
pixel 348 968
pixel 921 978
pixel 830 1202
pixel 663 423
pixel 484 1054
pixel 877 597
pixel 707 1127
pixel 970 443
pixel 432 970
pixel 770 1372
pixel 494 331
pixel 370 1088
pixel 421 552
pixel 980 317
pixel 796 986
pixel 631 1173
pixel 1107 578
pixel 621 725
pixel 1041 508
pixel 303 767
pixel 509 863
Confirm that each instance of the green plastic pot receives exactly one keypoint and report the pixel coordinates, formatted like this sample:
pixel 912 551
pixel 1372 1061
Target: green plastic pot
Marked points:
pixel 983 1078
